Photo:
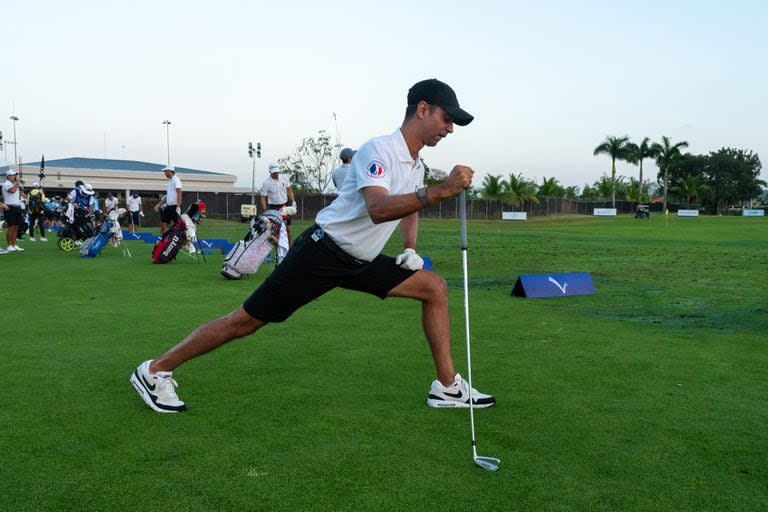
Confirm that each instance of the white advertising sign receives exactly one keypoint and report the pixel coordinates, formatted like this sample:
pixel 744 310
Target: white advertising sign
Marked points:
pixel 514 216
pixel 753 213
pixel 687 213
pixel 604 212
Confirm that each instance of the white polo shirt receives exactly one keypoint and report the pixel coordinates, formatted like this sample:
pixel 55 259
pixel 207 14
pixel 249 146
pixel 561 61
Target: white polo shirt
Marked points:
pixel 11 198
pixel 276 190
pixel 171 197
pixel 339 174
pixel 381 162
pixel 134 203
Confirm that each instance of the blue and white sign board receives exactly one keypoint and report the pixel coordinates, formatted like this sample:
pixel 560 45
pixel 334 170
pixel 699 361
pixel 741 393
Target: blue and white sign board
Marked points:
pixel 514 215
pixel 604 212
pixel 687 213
pixel 753 213
pixel 536 286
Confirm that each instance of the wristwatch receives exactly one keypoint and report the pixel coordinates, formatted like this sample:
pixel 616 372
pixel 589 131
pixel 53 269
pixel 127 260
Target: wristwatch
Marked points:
pixel 422 195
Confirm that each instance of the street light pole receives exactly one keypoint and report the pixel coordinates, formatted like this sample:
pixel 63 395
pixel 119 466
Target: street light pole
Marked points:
pixel 167 124
pixel 15 145
pixel 251 151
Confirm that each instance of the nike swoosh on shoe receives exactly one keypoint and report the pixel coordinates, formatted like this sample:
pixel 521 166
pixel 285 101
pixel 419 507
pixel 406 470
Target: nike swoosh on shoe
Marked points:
pixel 144 382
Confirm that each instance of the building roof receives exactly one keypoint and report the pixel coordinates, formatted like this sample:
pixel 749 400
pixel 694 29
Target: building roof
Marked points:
pixel 115 165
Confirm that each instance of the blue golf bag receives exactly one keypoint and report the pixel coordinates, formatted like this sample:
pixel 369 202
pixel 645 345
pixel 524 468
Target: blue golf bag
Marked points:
pixel 93 246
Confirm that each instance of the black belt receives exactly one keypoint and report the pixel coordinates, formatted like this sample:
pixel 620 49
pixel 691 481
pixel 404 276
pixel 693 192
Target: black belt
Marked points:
pixel 317 234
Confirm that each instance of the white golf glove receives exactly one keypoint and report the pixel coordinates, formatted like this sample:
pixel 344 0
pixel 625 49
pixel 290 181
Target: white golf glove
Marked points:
pixel 409 260
pixel 178 211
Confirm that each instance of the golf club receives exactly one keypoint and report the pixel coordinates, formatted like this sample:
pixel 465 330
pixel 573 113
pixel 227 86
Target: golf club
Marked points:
pixel 487 463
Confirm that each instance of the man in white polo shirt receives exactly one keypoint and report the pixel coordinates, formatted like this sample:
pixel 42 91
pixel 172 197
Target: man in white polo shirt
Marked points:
pixel 171 202
pixel 134 210
pixel 13 209
pixel 276 192
pixel 341 172
pixel 384 190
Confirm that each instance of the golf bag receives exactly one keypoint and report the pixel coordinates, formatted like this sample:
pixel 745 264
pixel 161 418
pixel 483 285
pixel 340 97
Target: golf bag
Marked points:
pixel 109 230
pixel 171 243
pixel 192 217
pixel 93 246
pixel 179 234
pixel 266 231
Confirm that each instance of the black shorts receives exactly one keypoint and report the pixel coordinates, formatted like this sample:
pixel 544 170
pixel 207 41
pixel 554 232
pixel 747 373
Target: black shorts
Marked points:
pixel 168 214
pixel 314 266
pixel 13 216
pixel 135 218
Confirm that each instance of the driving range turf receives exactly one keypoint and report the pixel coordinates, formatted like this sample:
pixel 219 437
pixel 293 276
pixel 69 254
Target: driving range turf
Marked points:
pixel 651 394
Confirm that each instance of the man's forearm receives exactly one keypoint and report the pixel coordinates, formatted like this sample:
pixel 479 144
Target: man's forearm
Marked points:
pixel 409 230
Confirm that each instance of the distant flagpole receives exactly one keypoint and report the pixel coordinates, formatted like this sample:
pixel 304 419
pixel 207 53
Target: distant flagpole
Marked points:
pixel 42 172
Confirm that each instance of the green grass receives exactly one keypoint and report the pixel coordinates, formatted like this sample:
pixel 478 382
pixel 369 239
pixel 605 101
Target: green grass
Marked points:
pixel 650 395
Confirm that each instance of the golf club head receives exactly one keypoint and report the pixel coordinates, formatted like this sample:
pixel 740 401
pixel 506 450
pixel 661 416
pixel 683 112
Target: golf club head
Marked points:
pixel 487 463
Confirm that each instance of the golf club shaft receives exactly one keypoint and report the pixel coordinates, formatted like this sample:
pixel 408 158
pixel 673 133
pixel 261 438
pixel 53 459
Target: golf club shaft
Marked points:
pixel 463 223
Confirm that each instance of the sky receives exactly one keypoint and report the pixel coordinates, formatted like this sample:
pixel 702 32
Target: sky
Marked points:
pixel 547 81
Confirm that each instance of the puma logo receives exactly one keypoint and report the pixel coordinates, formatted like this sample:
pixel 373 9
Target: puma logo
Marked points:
pixel 560 287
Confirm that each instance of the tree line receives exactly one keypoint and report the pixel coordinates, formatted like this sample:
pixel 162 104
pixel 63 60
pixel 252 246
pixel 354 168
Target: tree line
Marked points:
pixel 712 182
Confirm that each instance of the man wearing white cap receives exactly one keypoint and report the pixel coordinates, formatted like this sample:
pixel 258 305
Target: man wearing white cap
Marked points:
pixel 171 202
pixel 340 172
pixel 383 191
pixel 276 192
pixel 12 206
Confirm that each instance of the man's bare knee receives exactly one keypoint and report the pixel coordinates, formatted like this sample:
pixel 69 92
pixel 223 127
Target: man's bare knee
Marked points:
pixel 241 323
pixel 439 289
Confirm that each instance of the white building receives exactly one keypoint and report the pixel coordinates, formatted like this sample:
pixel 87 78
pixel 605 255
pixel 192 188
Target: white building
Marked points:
pixel 123 176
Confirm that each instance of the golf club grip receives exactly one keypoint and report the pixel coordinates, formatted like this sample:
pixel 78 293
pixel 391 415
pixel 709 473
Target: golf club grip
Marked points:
pixel 463 218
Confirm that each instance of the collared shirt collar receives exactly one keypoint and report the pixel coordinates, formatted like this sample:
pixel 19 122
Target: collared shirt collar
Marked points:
pixel 403 153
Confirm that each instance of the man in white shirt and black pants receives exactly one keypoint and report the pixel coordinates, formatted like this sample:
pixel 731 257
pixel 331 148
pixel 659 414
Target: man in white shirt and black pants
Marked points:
pixel 134 210
pixel 171 202
pixel 384 189
pixel 276 192
pixel 14 206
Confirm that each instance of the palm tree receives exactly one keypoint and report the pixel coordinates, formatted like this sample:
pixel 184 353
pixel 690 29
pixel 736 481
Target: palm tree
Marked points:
pixel 635 155
pixel 604 187
pixel 518 190
pixel 616 148
pixel 550 187
pixel 691 187
pixel 666 154
pixel 492 188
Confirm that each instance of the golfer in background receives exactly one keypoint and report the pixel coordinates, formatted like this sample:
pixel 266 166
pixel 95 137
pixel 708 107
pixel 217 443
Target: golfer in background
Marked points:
pixel 134 210
pixel 276 192
pixel 171 202
pixel 383 190
pixel 340 172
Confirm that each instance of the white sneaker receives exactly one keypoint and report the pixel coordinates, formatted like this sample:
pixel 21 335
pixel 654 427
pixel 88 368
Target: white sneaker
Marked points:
pixel 457 395
pixel 43 239
pixel 32 239
pixel 158 390
pixel 3 251
pixel 17 248
pixel 10 248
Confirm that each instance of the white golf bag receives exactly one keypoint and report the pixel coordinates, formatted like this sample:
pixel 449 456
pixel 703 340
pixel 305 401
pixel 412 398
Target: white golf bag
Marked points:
pixel 266 231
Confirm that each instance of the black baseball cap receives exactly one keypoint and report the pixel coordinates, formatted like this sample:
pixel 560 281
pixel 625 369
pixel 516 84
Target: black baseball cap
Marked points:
pixel 435 92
